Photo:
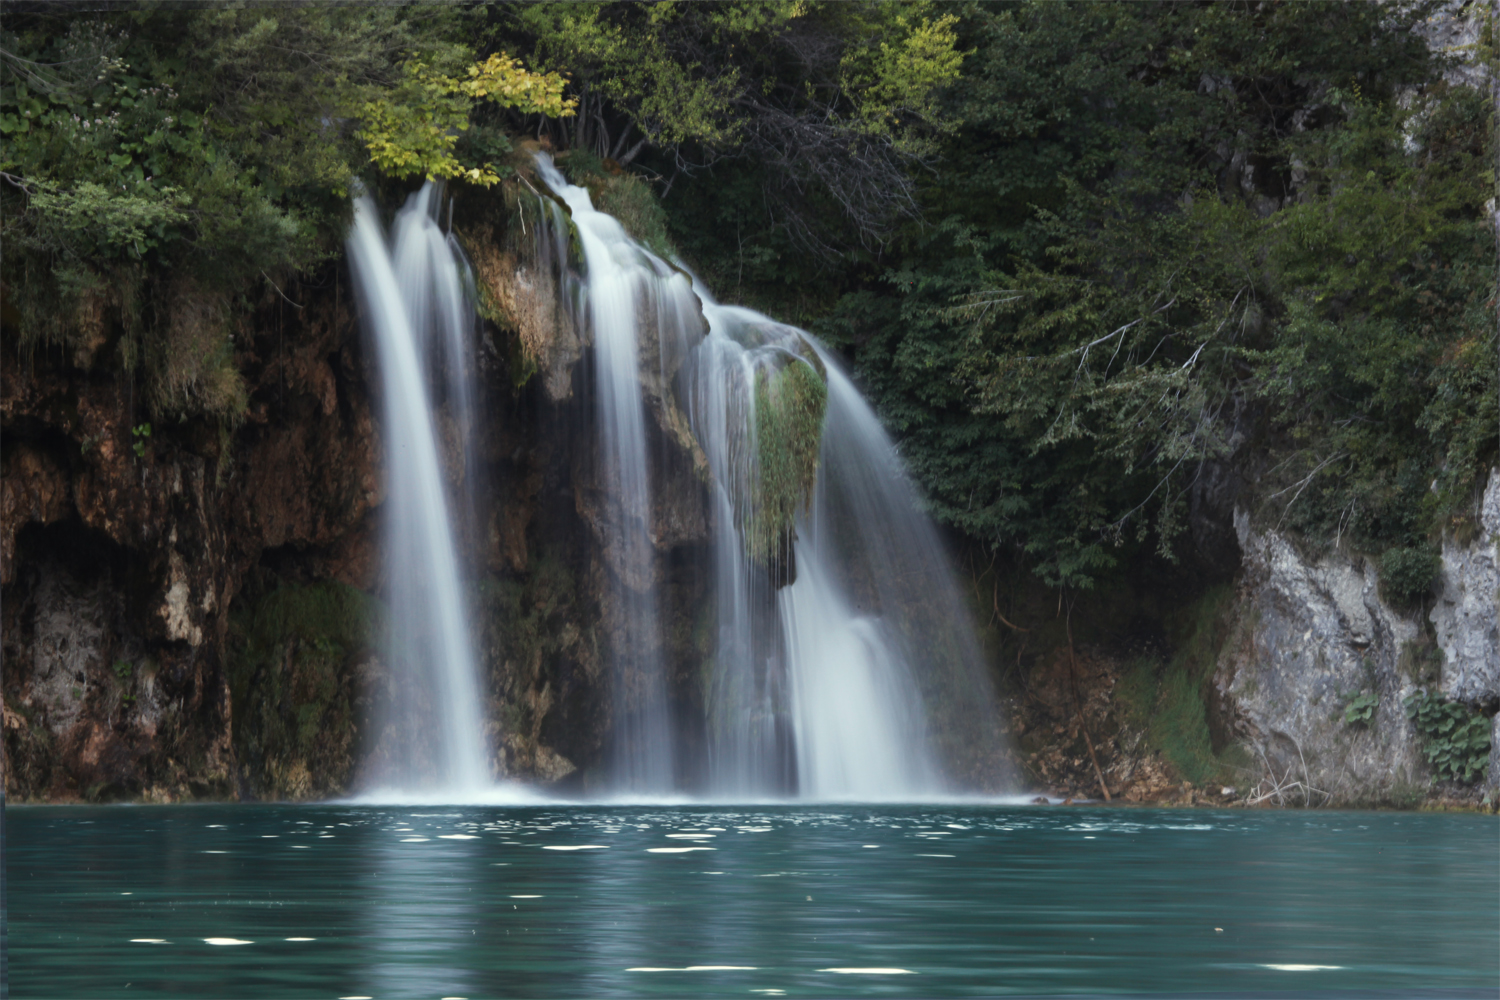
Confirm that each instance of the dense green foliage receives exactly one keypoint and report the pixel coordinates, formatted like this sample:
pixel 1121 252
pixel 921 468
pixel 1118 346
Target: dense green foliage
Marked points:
pixel 1083 256
pixel 1455 738
pixel 162 164
pixel 1168 238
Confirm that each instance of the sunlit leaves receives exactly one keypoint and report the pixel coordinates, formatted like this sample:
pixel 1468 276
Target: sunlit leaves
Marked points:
pixel 504 81
pixel 899 73
pixel 413 130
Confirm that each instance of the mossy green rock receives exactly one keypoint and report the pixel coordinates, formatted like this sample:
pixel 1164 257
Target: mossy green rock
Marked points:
pixel 789 407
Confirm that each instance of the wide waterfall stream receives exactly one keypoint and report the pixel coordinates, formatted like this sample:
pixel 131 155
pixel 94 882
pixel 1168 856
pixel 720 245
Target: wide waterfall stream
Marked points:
pixel 832 594
pixel 839 626
pixel 623 282
pixel 830 607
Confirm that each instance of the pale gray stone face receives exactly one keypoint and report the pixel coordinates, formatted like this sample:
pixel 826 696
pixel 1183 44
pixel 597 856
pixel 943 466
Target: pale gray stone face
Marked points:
pixel 1466 617
pixel 71 646
pixel 1492 779
pixel 1315 631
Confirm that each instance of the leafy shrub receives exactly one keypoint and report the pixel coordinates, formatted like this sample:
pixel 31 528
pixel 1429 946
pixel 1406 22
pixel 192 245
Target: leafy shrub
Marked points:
pixel 1407 574
pixel 1455 739
pixel 1361 708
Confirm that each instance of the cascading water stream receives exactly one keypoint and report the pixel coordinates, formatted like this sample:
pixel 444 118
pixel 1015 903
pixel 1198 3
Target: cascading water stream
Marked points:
pixel 413 307
pixel 624 283
pixel 435 283
pixel 838 635
pixel 824 685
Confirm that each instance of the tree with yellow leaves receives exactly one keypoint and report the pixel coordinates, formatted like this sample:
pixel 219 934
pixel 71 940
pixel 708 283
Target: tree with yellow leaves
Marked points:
pixel 413 130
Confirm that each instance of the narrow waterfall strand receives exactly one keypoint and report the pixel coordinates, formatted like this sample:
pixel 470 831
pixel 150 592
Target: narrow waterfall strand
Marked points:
pixel 431 631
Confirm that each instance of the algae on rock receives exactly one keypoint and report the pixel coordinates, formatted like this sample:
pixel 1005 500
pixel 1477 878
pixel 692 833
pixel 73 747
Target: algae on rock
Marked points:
pixel 292 683
pixel 789 407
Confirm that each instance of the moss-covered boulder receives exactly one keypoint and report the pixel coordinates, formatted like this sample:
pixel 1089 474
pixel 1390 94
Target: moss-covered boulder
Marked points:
pixel 791 398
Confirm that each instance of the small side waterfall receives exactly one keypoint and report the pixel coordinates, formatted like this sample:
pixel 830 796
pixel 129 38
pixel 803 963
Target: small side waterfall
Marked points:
pixel 624 284
pixel 837 643
pixel 413 306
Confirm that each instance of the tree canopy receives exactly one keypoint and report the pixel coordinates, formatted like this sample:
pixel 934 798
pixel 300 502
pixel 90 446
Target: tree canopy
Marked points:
pixel 1170 256
pixel 1104 268
pixel 159 160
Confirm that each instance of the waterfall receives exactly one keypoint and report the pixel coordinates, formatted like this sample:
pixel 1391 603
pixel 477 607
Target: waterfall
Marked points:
pixel 413 307
pixel 840 629
pixel 832 655
pixel 624 284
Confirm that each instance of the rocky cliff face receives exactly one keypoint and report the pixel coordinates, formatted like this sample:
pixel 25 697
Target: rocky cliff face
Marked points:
pixel 1466 619
pixel 196 610
pixel 1466 615
pixel 1314 635
pixel 124 545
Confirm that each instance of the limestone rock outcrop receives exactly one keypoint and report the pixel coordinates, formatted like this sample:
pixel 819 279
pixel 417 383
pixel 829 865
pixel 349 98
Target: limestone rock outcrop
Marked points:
pixel 1314 633
pixel 1466 615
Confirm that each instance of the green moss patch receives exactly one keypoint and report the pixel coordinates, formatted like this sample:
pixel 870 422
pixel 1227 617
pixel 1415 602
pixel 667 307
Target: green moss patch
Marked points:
pixel 1168 701
pixel 789 408
pixel 626 196
pixel 292 687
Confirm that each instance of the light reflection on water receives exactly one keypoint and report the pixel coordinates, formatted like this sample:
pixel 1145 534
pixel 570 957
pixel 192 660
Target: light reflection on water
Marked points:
pixel 426 901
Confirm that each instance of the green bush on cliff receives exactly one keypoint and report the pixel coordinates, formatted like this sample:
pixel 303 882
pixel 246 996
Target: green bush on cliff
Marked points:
pixel 1455 738
pixel 626 196
pixel 1407 574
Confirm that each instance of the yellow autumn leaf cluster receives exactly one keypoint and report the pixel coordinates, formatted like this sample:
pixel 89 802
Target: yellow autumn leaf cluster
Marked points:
pixel 413 131
pixel 503 80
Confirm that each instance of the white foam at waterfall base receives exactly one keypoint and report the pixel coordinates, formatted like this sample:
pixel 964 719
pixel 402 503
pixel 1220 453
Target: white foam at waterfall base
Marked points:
pixel 401 301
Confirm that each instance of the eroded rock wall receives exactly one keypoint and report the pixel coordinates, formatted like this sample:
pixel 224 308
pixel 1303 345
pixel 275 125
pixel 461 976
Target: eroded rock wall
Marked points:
pixel 1314 633
pixel 123 545
pixel 198 612
pixel 1466 617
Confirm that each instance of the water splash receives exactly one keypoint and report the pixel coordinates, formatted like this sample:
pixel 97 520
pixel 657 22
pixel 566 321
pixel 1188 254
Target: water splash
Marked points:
pixel 413 307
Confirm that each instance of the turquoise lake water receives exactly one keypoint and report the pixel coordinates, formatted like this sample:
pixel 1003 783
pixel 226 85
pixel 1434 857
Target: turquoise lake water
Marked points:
pixel 363 901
